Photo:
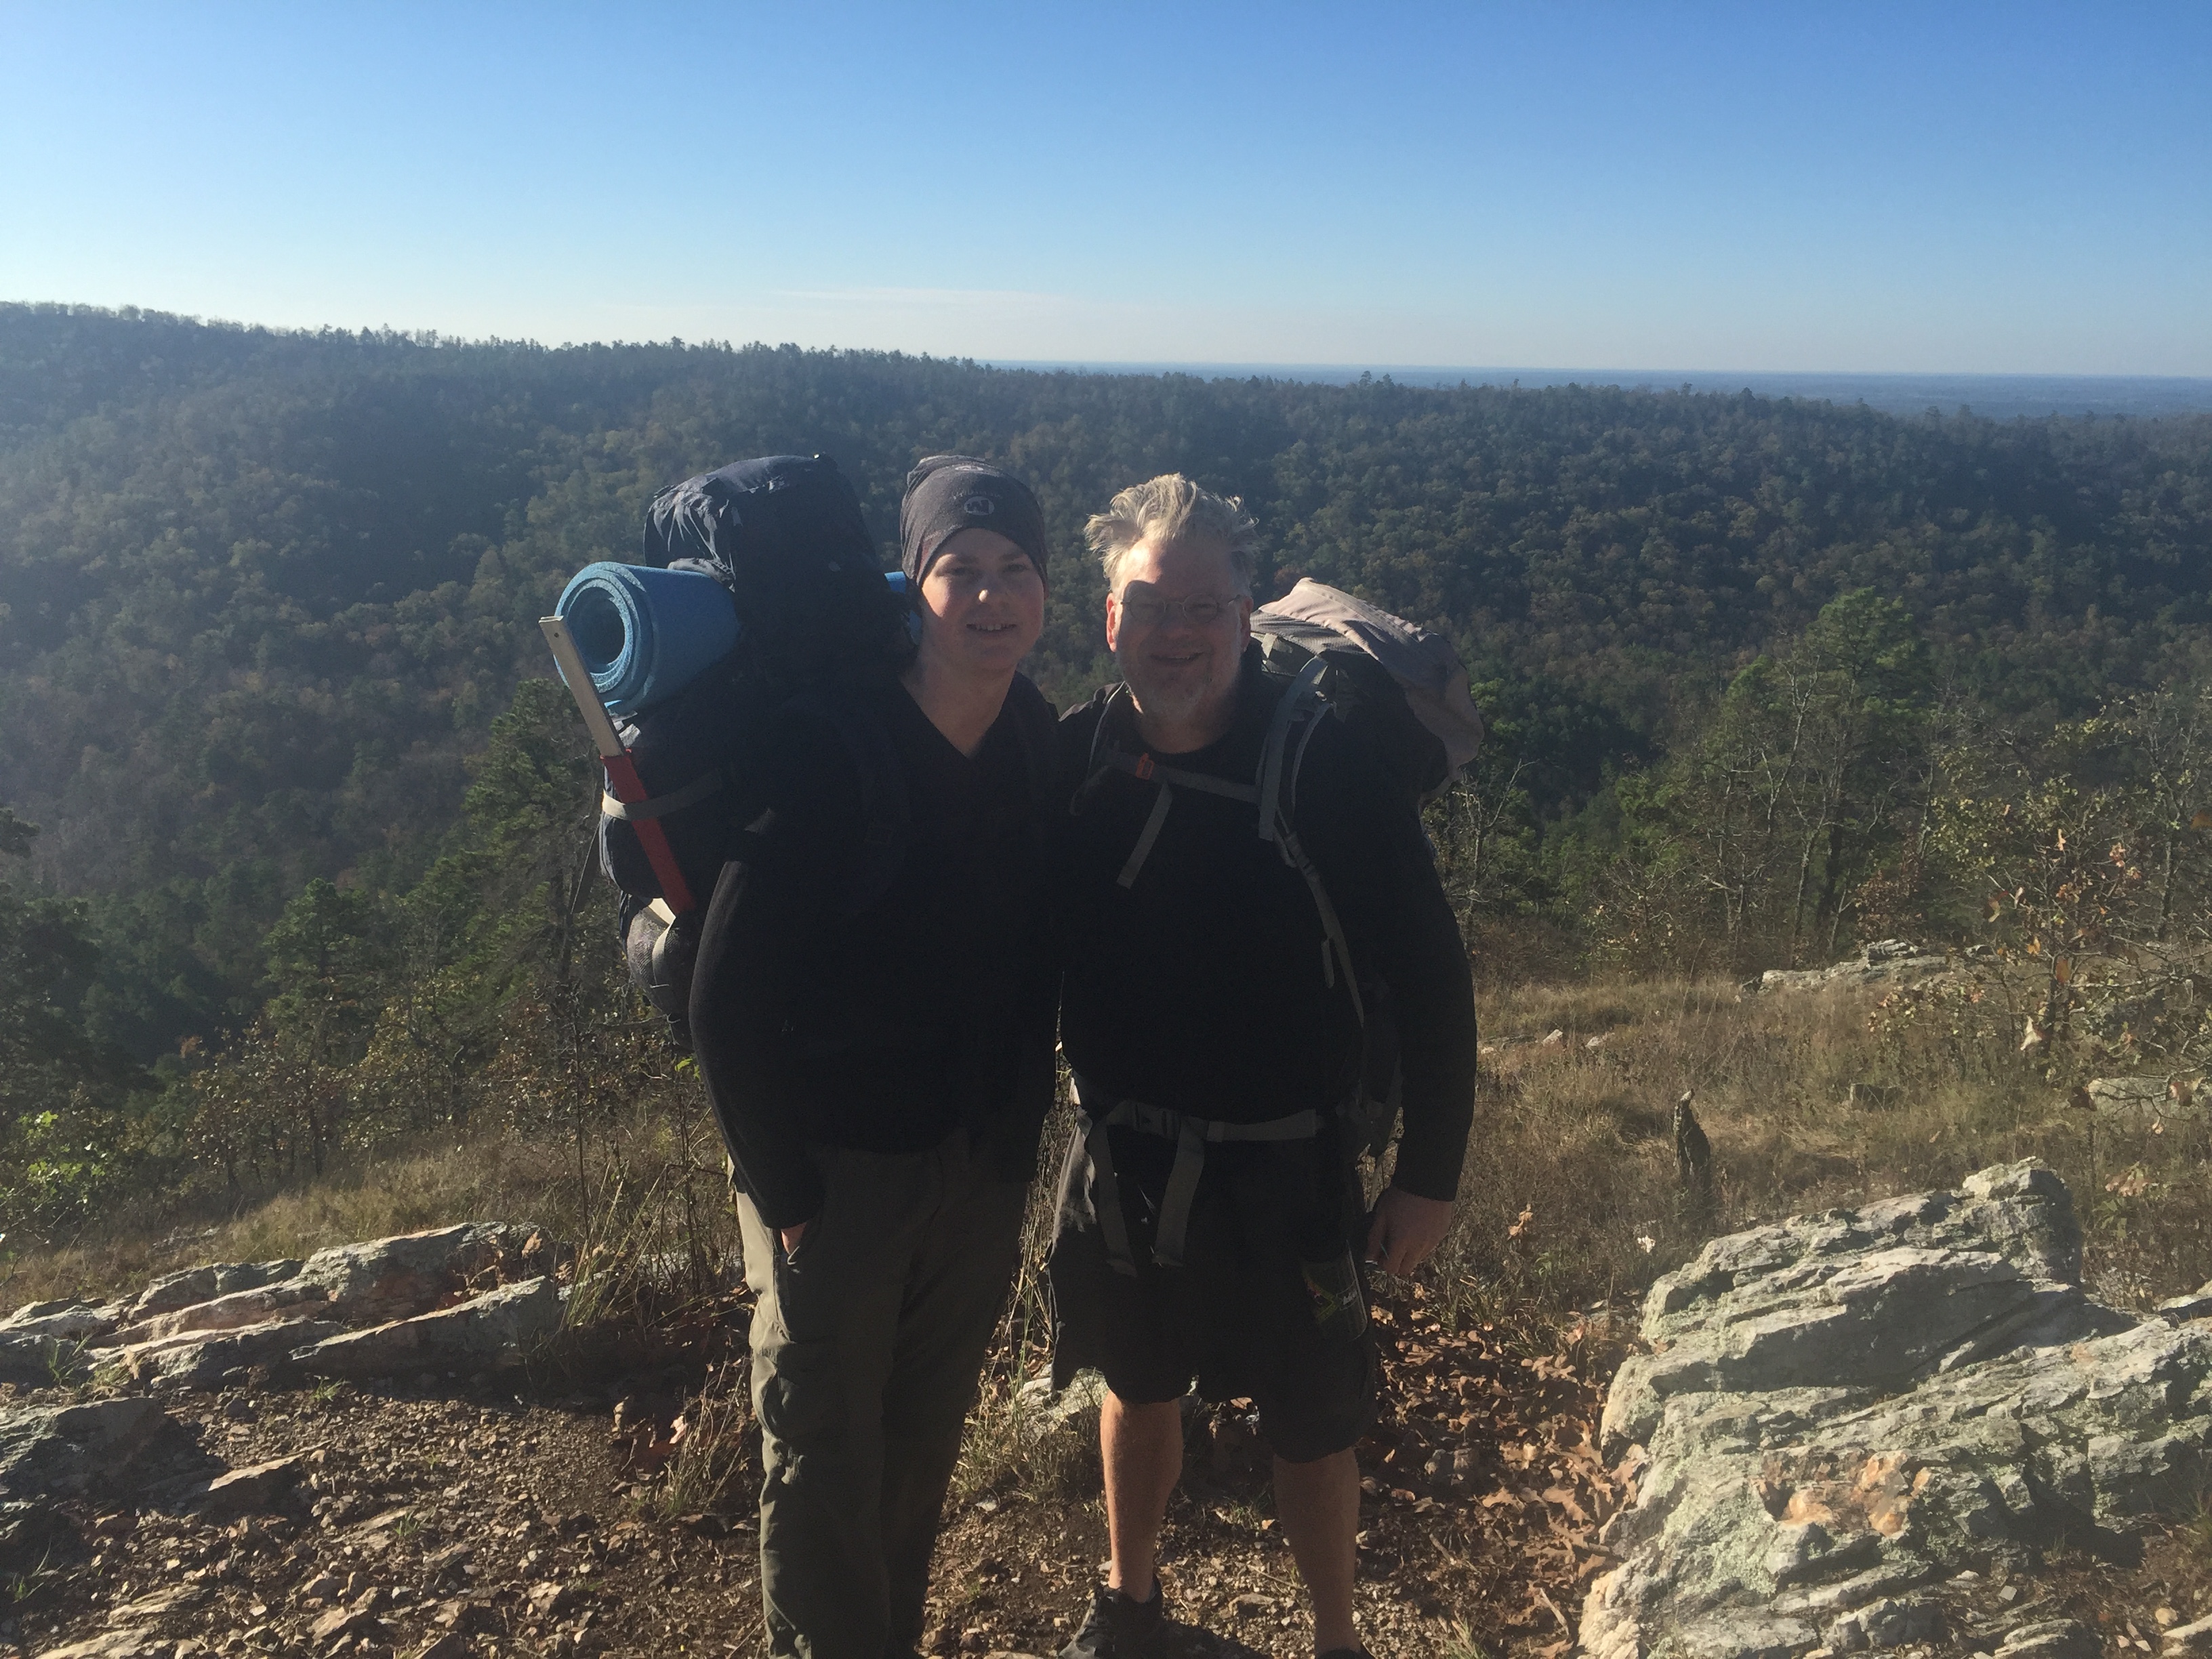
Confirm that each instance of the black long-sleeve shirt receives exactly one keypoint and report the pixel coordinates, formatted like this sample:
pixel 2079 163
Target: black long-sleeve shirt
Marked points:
pixel 1201 985
pixel 928 1007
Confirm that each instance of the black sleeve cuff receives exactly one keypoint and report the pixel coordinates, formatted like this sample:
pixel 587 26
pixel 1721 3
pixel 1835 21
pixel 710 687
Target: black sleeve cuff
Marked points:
pixel 795 1195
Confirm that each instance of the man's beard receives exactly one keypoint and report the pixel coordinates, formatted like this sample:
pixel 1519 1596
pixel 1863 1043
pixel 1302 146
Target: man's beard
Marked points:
pixel 1177 700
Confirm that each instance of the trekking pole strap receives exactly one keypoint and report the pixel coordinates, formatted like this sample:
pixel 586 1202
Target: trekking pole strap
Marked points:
pixel 1191 1135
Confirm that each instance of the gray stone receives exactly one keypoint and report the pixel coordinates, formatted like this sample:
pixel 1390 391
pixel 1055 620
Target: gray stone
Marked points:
pixel 2130 1094
pixel 373 1282
pixel 243 1491
pixel 380 1280
pixel 1889 961
pixel 2195 1638
pixel 2050 1638
pixel 497 1328
pixel 198 1359
pixel 1840 1408
pixel 66 1321
pixel 37 1362
pixel 292 1298
pixel 160 1604
pixel 397 1278
pixel 1043 1411
pixel 1875 1296
pixel 1889 1622
pixel 2197 1304
pixel 193 1285
pixel 110 1644
pixel 54 1451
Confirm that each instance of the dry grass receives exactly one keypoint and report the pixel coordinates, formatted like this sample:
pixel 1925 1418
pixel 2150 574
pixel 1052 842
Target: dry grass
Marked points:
pixel 653 1205
pixel 1580 1138
pixel 1002 1452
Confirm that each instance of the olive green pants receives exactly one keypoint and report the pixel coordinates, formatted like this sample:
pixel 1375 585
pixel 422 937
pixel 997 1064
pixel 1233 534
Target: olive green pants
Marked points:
pixel 866 1345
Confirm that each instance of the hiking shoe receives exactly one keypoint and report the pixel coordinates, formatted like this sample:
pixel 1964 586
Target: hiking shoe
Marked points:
pixel 1119 1628
pixel 1347 1653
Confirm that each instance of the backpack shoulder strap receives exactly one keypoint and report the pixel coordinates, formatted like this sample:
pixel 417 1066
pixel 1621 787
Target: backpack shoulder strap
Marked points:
pixel 1300 702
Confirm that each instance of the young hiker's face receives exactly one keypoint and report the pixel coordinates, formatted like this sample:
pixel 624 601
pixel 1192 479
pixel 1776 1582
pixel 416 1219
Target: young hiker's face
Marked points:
pixel 982 605
pixel 1178 667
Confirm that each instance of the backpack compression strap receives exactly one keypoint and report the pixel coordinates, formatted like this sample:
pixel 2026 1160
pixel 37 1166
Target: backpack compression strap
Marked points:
pixel 634 811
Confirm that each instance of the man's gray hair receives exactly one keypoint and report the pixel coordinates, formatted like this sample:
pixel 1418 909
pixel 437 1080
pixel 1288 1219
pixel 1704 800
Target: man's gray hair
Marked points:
pixel 1171 509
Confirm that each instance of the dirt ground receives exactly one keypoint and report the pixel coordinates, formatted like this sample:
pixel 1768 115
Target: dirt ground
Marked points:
pixel 538 1519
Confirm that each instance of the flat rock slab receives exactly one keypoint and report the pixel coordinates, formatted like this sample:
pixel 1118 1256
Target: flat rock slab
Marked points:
pixel 496 1327
pixel 371 1282
pixel 1842 1409
pixel 244 1492
pixel 199 1360
pixel 73 1322
pixel 52 1451
pixel 195 1327
pixel 192 1284
pixel 127 1644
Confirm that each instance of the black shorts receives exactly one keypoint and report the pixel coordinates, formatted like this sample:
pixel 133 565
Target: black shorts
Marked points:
pixel 1236 1316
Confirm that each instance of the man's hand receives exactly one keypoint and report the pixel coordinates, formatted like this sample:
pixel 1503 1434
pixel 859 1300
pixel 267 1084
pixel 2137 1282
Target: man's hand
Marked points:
pixel 791 1236
pixel 1406 1230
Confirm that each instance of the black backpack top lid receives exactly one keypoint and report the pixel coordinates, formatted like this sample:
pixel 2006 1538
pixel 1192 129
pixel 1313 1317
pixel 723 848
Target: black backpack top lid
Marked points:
pixel 785 534
pixel 767 510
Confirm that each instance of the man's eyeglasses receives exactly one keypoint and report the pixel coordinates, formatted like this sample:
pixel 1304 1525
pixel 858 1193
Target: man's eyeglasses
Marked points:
pixel 1200 611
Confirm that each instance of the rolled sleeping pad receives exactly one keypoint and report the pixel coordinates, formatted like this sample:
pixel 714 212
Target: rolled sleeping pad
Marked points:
pixel 645 634
pixel 904 589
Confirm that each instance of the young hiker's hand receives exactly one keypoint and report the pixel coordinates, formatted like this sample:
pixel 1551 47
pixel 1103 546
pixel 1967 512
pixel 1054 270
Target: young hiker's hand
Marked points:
pixel 791 1236
pixel 1406 1230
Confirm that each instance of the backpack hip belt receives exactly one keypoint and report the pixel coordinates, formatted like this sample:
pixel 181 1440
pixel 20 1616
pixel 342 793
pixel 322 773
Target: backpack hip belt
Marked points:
pixel 1191 1134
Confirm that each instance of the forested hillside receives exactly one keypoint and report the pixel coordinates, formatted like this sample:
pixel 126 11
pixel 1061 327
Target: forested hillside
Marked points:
pixel 265 599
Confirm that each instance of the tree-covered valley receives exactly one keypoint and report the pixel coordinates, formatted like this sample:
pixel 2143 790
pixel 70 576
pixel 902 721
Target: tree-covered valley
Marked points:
pixel 292 832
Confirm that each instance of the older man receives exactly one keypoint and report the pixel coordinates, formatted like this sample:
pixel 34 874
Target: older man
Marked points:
pixel 1209 1210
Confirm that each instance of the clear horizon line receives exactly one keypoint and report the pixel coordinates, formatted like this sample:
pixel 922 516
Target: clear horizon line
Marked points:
pixel 1140 364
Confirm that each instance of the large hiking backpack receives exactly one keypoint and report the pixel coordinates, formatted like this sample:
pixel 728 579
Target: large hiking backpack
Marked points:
pixel 785 534
pixel 1400 690
pixel 1402 693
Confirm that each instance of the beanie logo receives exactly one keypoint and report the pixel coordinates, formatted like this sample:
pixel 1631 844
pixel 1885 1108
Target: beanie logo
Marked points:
pixel 979 506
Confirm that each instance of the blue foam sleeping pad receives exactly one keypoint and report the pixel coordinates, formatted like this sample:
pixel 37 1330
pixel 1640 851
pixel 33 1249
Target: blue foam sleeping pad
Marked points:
pixel 646 633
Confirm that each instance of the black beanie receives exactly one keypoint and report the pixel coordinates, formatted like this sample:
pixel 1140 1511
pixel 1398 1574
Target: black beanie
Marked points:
pixel 948 493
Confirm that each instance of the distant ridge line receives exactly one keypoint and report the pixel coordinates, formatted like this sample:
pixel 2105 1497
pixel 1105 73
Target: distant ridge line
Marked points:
pixel 2000 396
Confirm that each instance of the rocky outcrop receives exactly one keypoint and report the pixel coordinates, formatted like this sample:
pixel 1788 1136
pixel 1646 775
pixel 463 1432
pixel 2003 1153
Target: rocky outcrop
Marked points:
pixel 1841 1411
pixel 1887 961
pixel 2157 1094
pixel 201 1359
pixel 478 1294
pixel 483 1332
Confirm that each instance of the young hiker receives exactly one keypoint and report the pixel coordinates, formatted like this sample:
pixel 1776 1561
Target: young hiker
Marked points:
pixel 880 1052
pixel 1214 1037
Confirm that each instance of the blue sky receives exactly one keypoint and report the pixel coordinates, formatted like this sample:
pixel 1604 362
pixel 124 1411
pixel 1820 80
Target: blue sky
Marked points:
pixel 1934 186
